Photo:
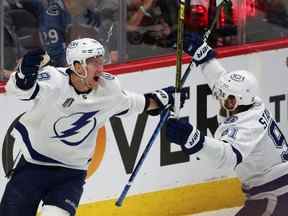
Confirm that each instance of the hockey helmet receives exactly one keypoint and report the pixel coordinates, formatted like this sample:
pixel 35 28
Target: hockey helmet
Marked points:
pixel 81 49
pixel 241 84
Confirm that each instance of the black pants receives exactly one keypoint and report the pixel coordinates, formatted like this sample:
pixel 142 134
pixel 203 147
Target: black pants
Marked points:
pixel 31 183
pixel 259 207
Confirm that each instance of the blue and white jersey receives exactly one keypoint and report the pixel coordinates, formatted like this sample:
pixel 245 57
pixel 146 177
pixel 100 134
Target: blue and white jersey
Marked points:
pixel 54 20
pixel 61 127
pixel 251 143
pixel 57 26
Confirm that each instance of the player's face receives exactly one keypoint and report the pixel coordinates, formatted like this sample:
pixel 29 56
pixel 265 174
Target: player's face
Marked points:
pixel 229 104
pixel 94 67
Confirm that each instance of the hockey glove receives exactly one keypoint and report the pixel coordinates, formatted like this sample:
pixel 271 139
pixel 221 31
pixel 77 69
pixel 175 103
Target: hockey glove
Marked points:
pixel 195 46
pixel 165 99
pixel 92 18
pixel 184 134
pixel 27 69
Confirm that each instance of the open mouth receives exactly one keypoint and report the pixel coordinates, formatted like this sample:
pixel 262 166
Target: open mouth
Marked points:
pixel 96 78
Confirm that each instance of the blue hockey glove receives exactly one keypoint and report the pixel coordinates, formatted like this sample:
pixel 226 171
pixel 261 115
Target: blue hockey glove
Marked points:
pixel 27 70
pixel 184 134
pixel 165 99
pixel 195 46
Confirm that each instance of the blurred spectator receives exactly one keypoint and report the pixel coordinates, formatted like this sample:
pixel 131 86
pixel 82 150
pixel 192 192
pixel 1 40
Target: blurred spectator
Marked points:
pixel 201 14
pixel 276 12
pixel 100 22
pixel 196 15
pixel 154 22
pixel 60 21
pixel 55 22
pixel 151 21
pixel 9 42
pixel 20 34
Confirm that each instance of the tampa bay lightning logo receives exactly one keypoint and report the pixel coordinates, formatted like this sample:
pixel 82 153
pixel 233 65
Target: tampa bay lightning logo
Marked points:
pixel 237 77
pixel 231 119
pixel 74 129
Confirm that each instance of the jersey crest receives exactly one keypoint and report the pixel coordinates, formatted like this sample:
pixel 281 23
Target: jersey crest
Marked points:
pixel 75 128
pixel 231 119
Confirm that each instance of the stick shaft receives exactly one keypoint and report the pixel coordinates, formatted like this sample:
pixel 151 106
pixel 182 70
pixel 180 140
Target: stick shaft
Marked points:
pixel 142 158
pixel 179 83
pixel 214 21
pixel 206 36
pixel 179 52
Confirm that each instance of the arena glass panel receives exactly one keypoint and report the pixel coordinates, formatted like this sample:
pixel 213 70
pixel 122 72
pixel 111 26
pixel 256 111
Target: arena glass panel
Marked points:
pixel 130 30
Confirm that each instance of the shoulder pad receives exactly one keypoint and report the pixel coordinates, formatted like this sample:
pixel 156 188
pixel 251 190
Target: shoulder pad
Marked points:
pixel 43 75
pixel 110 83
pixel 48 72
pixel 107 76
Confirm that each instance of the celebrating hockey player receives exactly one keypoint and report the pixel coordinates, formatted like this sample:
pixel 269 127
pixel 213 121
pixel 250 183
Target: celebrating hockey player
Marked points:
pixel 248 139
pixel 57 135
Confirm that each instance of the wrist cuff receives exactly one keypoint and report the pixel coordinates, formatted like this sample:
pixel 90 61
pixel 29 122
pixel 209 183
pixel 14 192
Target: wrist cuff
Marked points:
pixel 195 142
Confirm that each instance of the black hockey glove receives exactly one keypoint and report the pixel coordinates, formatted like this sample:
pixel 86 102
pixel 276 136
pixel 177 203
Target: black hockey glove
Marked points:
pixel 195 46
pixel 184 134
pixel 165 99
pixel 92 18
pixel 27 69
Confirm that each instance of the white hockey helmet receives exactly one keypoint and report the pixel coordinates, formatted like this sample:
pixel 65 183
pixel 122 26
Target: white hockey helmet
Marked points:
pixel 241 84
pixel 81 49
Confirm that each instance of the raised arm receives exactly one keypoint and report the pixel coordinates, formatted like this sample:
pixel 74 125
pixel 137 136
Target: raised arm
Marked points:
pixel 22 83
pixel 204 56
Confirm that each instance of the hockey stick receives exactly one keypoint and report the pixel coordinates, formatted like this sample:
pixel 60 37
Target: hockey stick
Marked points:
pixel 179 52
pixel 155 133
pixel 219 4
pixel 142 158
pixel 180 82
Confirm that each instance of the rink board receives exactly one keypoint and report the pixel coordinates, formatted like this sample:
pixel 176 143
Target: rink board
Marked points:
pixel 169 183
pixel 179 201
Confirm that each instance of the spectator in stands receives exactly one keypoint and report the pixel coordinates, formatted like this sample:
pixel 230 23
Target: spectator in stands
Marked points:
pixel 151 21
pixel 55 22
pixel 97 19
pixel 276 12
pixel 20 35
pixel 61 21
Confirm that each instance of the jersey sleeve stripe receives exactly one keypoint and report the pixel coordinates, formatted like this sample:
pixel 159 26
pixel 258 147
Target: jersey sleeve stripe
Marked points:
pixel 238 155
pixel 34 94
pixel 121 113
pixel 270 186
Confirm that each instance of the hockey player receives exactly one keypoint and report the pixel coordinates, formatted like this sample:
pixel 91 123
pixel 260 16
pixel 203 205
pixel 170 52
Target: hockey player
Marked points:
pixel 57 135
pixel 247 139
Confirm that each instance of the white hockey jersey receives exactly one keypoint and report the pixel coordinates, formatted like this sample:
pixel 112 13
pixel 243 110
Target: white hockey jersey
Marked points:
pixel 61 127
pixel 251 143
